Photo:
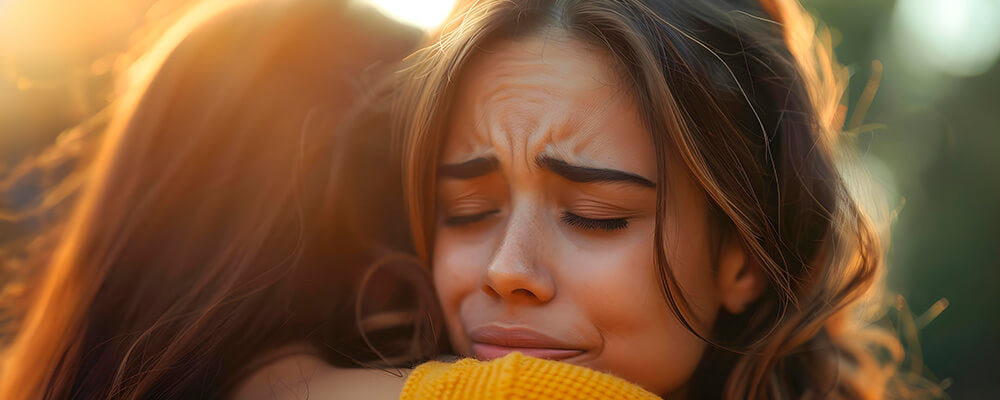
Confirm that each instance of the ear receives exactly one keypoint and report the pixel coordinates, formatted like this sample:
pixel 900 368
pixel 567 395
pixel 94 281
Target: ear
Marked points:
pixel 740 278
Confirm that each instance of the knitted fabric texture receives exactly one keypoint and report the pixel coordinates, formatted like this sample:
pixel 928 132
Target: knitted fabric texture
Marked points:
pixel 515 376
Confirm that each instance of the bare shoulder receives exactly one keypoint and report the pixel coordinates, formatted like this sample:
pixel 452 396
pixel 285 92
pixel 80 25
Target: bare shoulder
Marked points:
pixel 305 376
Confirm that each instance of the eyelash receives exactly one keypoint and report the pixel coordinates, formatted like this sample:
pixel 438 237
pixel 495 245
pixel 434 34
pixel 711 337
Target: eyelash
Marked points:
pixel 607 225
pixel 461 220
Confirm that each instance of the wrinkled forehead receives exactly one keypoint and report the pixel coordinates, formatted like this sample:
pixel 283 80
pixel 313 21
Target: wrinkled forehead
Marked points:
pixel 545 94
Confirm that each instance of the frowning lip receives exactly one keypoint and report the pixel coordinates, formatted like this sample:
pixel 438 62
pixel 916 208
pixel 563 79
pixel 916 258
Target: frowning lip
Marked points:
pixel 494 341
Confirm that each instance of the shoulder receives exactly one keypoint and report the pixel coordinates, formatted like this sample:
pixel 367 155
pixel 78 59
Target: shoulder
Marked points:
pixel 306 376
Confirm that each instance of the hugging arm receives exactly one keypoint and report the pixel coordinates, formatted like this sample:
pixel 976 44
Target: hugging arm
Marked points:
pixel 512 376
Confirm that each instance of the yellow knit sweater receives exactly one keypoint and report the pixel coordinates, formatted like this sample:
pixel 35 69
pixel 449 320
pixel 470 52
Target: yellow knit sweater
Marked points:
pixel 515 376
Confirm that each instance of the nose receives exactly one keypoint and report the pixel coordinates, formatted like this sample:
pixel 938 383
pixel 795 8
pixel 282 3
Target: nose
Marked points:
pixel 517 272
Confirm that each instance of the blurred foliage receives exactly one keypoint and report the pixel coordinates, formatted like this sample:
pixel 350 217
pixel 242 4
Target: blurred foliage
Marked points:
pixel 934 149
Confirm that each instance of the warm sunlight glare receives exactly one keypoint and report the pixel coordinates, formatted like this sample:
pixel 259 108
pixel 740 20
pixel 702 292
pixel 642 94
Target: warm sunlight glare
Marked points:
pixel 424 14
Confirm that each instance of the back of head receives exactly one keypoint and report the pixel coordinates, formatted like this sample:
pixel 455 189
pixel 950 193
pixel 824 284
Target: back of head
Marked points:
pixel 217 211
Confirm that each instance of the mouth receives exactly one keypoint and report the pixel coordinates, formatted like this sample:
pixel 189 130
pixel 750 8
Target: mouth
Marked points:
pixel 492 341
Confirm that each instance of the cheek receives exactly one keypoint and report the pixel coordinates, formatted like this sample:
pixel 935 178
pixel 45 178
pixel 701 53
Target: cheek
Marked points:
pixel 457 274
pixel 657 352
pixel 607 278
pixel 643 341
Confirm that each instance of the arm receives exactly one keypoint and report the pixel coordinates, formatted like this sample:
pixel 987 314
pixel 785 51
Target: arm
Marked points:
pixel 513 376
pixel 309 377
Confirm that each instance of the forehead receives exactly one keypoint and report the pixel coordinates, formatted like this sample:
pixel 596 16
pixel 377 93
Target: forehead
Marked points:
pixel 547 94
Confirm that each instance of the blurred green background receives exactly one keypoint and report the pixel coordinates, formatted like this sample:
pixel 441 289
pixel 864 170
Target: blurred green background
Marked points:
pixel 938 153
pixel 930 137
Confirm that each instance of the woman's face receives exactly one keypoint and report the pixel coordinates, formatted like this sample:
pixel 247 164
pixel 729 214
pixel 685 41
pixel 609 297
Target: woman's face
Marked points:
pixel 546 199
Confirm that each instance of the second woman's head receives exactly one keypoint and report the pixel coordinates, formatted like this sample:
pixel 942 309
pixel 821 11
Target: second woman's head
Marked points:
pixel 645 188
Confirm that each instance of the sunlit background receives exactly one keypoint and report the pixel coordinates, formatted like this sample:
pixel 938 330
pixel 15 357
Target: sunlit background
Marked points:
pixel 930 135
pixel 422 14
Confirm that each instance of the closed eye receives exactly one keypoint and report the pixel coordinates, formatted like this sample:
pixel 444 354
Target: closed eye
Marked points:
pixel 608 225
pixel 462 220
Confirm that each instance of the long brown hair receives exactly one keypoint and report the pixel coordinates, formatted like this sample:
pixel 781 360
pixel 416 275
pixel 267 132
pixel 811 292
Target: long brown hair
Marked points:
pixel 748 95
pixel 230 210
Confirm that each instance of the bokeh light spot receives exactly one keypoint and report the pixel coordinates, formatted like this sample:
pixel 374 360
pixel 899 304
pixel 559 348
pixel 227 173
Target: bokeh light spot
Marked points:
pixel 955 37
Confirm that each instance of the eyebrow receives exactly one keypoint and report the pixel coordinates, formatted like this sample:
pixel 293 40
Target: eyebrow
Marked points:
pixel 577 173
pixel 484 165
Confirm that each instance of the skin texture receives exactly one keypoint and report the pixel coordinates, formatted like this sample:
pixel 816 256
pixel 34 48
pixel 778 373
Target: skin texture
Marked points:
pixel 507 257
pixel 304 376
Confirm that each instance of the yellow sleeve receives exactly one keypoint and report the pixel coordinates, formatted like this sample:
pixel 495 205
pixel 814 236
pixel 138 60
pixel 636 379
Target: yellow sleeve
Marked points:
pixel 515 376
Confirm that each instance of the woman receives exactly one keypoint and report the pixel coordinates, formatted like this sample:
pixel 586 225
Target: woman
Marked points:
pixel 648 188
pixel 218 225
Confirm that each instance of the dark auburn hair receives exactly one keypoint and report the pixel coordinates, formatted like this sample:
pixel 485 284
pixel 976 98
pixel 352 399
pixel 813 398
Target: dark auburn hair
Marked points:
pixel 235 205
pixel 747 94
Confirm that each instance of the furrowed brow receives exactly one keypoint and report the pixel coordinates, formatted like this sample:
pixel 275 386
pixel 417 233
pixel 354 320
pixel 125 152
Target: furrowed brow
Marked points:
pixel 582 174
